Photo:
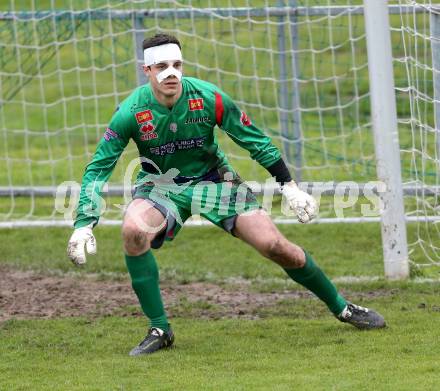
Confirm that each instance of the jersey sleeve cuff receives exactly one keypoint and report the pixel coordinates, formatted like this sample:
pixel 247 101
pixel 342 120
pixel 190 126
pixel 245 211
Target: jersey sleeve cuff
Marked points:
pixel 280 171
pixel 84 221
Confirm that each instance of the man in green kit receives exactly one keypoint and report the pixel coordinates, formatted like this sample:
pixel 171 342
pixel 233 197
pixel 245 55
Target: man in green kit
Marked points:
pixel 172 120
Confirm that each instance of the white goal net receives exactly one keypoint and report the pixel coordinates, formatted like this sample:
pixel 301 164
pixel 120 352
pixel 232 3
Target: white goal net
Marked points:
pixel 416 34
pixel 298 68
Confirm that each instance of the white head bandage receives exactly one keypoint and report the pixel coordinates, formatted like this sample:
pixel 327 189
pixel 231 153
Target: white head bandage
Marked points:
pixel 164 53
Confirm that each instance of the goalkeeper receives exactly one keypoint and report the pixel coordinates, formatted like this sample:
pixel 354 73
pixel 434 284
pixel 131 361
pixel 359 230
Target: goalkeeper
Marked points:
pixel 172 119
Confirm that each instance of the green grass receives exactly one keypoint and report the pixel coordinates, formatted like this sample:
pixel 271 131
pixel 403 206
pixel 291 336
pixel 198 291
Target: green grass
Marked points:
pixel 208 254
pixel 280 353
pixel 203 254
pixel 296 344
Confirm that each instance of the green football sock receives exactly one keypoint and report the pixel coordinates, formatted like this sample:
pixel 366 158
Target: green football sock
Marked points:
pixel 313 278
pixel 145 282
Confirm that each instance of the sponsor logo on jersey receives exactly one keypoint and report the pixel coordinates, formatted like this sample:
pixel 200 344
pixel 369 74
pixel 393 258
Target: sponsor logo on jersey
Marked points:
pixel 193 92
pixel 245 120
pixel 148 127
pixel 148 136
pixel 196 120
pixel 144 116
pixel 178 145
pixel 173 127
pixel 147 131
pixel 110 134
pixel 195 104
pixel 135 107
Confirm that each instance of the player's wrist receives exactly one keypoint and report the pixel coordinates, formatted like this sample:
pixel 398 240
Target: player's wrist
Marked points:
pixel 280 172
pixel 85 222
pixel 290 188
pixel 85 228
pixel 291 184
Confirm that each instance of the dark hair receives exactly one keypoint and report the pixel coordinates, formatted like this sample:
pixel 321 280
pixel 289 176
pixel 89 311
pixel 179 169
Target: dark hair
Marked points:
pixel 160 39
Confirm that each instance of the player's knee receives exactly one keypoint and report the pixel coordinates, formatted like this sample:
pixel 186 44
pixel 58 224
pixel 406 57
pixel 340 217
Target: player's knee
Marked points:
pixel 135 240
pixel 273 248
pixel 284 253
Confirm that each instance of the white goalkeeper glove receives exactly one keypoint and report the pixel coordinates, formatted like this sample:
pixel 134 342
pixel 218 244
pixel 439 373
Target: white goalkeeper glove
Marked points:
pixel 298 201
pixel 75 249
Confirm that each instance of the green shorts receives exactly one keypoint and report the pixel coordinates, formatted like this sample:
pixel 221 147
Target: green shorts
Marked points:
pixel 220 202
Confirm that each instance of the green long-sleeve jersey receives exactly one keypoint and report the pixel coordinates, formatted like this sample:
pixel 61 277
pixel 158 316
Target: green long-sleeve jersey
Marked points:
pixel 182 138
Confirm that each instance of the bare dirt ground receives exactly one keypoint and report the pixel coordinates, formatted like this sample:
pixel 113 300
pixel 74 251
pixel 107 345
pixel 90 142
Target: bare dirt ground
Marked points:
pixel 28 294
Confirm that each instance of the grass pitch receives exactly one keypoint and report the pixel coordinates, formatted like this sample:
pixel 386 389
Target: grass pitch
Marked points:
pixel 271 354
pixel 295 344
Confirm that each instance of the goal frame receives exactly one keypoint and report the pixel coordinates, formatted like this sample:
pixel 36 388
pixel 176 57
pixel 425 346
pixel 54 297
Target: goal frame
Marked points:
pixel 383 105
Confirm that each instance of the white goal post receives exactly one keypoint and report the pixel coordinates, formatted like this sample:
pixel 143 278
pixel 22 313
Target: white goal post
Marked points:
pixel 386 138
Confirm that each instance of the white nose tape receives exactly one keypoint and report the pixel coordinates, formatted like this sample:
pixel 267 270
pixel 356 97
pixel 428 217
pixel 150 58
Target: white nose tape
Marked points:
pixel 170 71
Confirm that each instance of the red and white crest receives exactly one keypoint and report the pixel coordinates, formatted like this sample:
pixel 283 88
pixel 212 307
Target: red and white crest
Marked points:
pixel 195 104
pixel 144 116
